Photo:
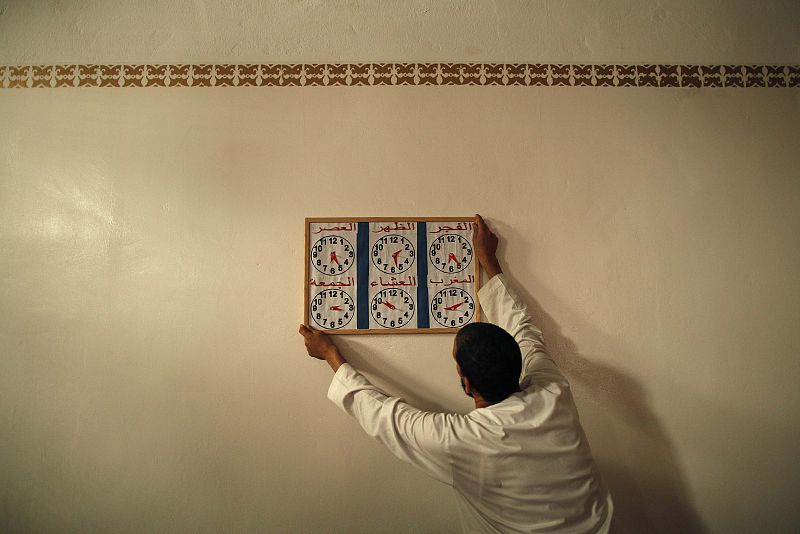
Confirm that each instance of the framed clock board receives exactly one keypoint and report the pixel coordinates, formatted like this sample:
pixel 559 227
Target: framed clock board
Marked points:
pixel 390 275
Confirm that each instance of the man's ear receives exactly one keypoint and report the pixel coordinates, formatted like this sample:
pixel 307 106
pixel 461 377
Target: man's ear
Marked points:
pixel 467 386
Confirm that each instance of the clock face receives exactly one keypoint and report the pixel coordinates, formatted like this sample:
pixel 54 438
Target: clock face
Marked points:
pixel 392 308
pixel 452 307
pixel 450 253
pixel 332 255
pixel 393 254
pixel 332 308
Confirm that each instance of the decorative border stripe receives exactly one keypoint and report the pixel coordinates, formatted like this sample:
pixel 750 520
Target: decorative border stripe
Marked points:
pixel 377 74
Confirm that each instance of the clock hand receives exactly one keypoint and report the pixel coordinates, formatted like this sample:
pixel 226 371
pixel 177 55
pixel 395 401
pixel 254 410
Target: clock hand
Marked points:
pixel 394 256
pixel 335 308
pixel 452 257
pixel 455 306
pixel 334 259
pixel 389 305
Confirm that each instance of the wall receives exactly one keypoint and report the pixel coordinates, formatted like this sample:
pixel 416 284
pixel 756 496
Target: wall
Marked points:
pixel 151 254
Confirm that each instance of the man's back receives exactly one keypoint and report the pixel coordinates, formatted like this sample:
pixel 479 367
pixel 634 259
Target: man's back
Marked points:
pixel 520 465
pixel 524 463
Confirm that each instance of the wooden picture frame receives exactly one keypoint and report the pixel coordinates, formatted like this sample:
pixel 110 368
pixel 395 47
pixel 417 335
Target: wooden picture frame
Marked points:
pixel 404 229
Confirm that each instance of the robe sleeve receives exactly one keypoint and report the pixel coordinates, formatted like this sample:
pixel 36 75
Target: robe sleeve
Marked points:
pixel 415 436
pixel 503 306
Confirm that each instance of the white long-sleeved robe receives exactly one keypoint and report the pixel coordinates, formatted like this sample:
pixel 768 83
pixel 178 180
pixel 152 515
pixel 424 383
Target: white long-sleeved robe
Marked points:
pixel 521 465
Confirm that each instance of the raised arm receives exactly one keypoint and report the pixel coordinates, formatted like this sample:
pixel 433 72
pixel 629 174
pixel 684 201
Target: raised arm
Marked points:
pixel 503 306
pixel 415 436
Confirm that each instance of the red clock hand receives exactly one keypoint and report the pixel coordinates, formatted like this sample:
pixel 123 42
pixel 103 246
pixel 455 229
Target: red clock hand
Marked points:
pixel 452 257
pixel 389 305
pixel 394 256
pixel 335 308
pixel 334 259
pixel 455 306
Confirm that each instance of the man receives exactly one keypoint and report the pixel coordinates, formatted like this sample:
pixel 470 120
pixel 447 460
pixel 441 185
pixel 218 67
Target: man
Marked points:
pixel 520 461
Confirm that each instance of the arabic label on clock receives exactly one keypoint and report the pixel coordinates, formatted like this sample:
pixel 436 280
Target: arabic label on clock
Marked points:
pixel 452 307
pixel 392 308
pixel 332 308
pixel 393 254
pixel 332 255
pixel 451 253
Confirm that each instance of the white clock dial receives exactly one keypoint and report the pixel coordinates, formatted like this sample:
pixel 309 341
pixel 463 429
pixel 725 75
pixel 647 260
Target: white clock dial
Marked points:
pixel 392 308
pixel 332 308
pixel 332 255
pixel 393 254
pixel 450 253
pixel 453 307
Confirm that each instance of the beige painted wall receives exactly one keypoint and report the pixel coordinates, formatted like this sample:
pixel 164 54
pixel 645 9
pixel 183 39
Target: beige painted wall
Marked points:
pixel 151 376
pixel 546 31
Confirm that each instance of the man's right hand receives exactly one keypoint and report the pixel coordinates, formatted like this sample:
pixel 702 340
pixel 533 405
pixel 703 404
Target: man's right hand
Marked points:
pixel 485 243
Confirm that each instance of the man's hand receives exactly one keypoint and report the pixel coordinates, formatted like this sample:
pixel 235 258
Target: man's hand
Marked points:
pixel 485 243
pixel 320 346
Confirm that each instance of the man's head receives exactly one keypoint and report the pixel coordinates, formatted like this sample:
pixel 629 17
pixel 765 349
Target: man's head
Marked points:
pixel 490 359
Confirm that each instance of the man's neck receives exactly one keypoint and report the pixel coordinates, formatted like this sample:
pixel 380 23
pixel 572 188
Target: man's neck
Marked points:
pixel 480 402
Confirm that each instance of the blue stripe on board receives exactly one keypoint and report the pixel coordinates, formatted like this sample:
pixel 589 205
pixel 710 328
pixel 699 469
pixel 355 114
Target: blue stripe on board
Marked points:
pixel 423 317
pixel 362 297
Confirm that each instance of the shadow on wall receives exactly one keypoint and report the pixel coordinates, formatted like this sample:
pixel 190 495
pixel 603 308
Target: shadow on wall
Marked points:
pixel 651 496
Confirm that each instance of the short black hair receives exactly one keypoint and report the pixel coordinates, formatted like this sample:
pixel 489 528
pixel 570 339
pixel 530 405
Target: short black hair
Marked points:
pixel 490 358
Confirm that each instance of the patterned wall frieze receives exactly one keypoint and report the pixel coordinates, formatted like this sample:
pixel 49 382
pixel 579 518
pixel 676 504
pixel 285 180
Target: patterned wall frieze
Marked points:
pixel 380 74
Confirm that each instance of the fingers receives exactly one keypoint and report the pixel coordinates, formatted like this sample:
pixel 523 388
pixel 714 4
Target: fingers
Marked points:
pixel 305 331
pixel 480 225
